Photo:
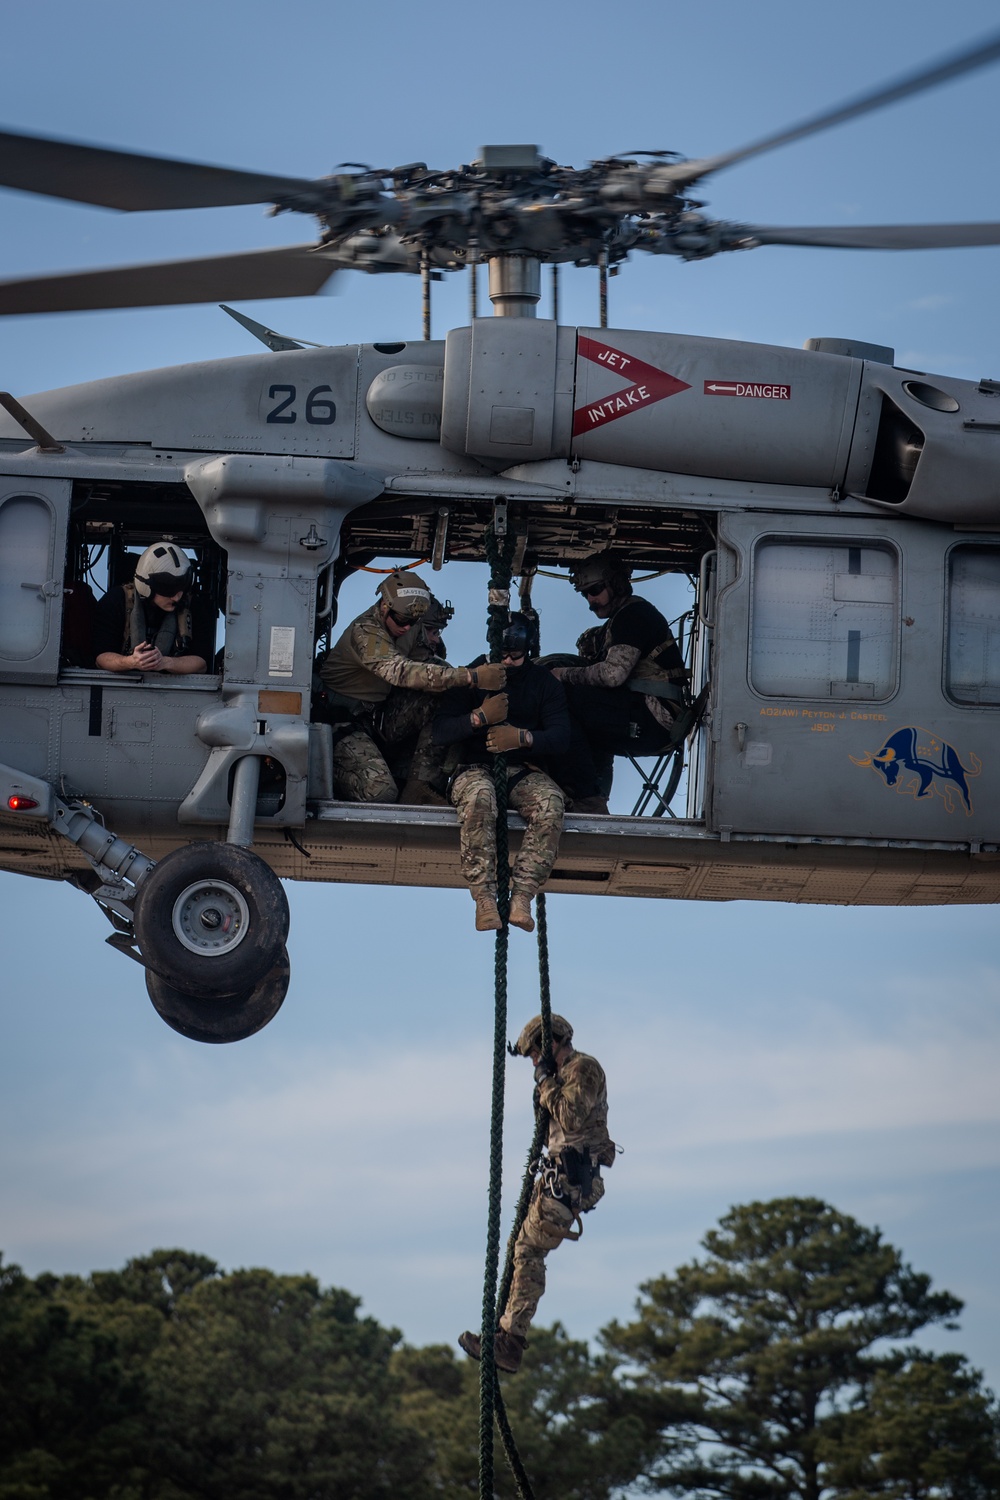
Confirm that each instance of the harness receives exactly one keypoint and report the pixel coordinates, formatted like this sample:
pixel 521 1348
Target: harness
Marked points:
pixel 568 1176
pixel 173 636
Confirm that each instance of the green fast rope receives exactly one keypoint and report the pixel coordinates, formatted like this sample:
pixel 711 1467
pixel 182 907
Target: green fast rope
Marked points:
pixel 491 1403
pixel 500 555
pixel 527 1186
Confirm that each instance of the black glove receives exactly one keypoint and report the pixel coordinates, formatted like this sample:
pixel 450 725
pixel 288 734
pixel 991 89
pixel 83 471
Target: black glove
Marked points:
pixel 544 1070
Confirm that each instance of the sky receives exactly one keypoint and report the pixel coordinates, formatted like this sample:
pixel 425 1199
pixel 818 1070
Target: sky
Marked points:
pixel 752 1050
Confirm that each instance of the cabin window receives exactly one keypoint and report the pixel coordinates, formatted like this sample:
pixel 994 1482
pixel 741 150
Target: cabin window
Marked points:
pixel 824 620
pixel 973 669
pixel 25 568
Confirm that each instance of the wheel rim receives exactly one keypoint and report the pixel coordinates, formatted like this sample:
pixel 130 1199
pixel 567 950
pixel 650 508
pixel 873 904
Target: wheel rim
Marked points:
pixel 210 918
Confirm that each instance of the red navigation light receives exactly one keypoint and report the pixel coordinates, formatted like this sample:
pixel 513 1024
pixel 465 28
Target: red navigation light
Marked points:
pixel 17 803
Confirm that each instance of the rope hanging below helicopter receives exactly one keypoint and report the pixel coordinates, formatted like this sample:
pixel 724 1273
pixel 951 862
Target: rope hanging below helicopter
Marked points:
pixel 500 545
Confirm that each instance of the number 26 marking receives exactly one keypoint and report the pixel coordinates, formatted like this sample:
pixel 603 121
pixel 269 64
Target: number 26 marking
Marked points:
pixel 318 413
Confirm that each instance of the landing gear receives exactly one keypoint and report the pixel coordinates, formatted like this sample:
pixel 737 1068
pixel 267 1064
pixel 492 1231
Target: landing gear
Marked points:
pixel 230 1018
pixel 211 920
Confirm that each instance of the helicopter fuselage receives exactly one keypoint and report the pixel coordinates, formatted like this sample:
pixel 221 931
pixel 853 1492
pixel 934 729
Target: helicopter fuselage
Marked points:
pixel 840 516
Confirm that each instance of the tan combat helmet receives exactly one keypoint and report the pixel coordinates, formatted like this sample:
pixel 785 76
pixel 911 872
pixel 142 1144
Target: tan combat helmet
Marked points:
pixel 531 1036
pixel 606 568
pixel 406 595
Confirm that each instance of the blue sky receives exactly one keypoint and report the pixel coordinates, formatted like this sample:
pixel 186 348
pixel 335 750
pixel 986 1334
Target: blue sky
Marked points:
pixel 752 1049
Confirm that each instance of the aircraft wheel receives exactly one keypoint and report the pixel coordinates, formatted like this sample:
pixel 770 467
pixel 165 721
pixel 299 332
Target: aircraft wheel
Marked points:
pixel 230 1018
pixel 211 919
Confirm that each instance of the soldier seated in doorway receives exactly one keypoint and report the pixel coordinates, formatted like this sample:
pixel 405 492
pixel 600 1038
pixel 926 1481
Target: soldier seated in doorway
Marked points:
pixel 530 722
pixel 366 668
pixel 573 1090
pixel 629 685
pixel 145 625
pixel 408 711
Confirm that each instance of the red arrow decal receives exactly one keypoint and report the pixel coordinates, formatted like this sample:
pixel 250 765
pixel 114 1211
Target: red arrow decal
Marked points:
pixel 650 385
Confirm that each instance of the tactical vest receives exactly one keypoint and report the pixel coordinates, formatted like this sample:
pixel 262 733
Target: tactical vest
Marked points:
pixel 584 1072
pixel 172 637
pixel 343 669
pixel 662 664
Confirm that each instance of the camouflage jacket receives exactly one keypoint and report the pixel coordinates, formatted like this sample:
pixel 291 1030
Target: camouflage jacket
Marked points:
pixel 577 1102
pixel 367 663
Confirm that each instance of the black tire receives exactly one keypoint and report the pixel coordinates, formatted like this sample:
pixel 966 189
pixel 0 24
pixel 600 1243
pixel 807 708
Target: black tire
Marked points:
pixel 229 954
pixel 220 1019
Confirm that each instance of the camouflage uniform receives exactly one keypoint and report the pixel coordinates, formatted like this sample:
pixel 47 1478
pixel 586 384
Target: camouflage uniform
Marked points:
pixel 368 665
pixel 541 804
pixel 408 712
pixel 577 1101
pixel 536 703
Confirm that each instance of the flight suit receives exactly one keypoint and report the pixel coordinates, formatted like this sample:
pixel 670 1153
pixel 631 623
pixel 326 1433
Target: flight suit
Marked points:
pixel 370 666
pixel 577 1101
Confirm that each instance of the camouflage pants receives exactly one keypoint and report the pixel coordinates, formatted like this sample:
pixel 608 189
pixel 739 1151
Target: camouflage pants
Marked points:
pixel 360 773
pixel 545 1226
pixel 406 729
pixel 540 803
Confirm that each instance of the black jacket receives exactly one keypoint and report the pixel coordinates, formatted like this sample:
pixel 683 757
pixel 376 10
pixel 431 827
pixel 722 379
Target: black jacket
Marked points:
pixel 535 700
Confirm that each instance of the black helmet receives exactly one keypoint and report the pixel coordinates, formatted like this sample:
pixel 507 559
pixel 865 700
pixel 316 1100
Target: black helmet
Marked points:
pixel 438 615
pixel 602 568
pixel 517 635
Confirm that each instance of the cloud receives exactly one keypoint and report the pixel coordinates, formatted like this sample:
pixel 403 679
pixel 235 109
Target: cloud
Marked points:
pixel 931 302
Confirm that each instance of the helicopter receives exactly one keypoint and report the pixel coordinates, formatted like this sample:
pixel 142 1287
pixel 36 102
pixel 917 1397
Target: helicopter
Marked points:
pixel 835 513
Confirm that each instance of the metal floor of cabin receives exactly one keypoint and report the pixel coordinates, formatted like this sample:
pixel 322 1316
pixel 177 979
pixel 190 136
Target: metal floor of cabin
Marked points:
pixel 616 856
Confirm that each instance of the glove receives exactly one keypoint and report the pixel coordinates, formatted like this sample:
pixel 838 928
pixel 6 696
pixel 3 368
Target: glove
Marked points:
pixel 506 737
pixel 544 1070
pixel 493 711
pixel 490 677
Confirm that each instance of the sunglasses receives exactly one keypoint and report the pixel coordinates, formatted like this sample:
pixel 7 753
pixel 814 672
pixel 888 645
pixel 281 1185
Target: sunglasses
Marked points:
pixel 403 624
pixel 592 590
pixel 514 655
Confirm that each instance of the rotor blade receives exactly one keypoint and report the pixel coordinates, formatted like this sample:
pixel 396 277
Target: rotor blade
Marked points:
pixel 291 271
pixel 880 236
pixel 683 173
pixel 127 180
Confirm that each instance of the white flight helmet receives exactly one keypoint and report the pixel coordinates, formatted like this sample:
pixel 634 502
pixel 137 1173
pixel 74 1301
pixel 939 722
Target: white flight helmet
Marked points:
pixel 165 569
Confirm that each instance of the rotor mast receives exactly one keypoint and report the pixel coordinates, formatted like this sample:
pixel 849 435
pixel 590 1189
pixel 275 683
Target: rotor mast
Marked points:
pixel 515 285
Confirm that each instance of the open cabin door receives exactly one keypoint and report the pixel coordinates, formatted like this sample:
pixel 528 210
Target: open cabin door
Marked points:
pixel 33 520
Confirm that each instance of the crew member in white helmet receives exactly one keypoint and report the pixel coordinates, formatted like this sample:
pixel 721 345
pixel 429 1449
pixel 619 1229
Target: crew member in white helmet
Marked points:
pixel 145 625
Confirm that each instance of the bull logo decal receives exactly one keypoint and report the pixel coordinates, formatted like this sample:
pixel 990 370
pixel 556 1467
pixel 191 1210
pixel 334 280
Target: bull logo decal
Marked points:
pixel 918 764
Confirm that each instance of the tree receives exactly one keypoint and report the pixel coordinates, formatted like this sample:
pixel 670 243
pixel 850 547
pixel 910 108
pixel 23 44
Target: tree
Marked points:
pixel 564 1406
pixel 926 1428
pixel 70 1406
pixel 764 1365
pixel 268 1388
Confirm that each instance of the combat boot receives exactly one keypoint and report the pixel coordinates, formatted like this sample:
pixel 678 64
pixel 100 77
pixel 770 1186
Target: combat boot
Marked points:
pixel 508 1349
pixel 421 794
pixel 520 911
pixel 487 911
pixel 595 804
